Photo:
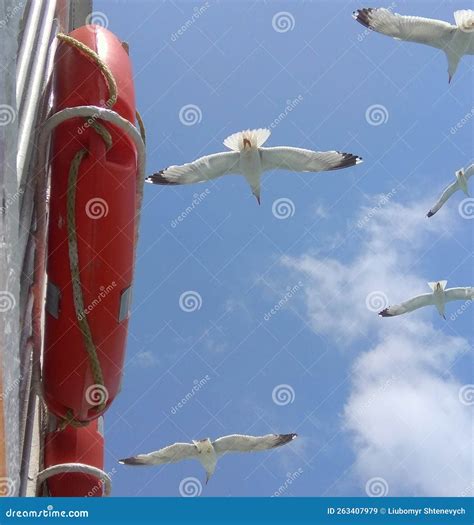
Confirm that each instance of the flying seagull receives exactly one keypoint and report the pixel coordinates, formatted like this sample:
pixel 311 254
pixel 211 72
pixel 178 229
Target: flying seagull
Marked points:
pixel 439 296
pixel 248 158
pixel 208 452
pixel 455 40
pixel 460 183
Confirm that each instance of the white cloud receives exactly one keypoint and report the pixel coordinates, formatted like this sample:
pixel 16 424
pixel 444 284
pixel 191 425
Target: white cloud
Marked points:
pixel 212 344
pixel 320 211
pixel 145 359
pixel 407 422
pixel 403 413
pixel 386 261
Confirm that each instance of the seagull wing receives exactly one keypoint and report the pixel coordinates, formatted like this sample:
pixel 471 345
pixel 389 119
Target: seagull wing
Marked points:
pixel 201 170
pixel 455 294
pixel 412 304
pixel 242 443
pixel 469 171
pixel 299 159
pixel 170 454
pixel 436 33
pixel 452 188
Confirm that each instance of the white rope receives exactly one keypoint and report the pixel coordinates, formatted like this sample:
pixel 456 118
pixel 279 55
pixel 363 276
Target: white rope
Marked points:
pixel 81 468
pixel 108 115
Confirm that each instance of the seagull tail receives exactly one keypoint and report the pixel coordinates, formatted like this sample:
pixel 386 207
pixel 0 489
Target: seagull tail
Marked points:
pixel 256 137
pixel 434 285
pixel 464 19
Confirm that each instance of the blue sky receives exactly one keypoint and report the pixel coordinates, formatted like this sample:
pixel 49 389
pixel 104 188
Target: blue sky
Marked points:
pixel 376 402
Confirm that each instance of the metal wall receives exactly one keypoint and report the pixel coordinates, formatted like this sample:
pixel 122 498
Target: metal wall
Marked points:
pixel 11 12
pixel 27 45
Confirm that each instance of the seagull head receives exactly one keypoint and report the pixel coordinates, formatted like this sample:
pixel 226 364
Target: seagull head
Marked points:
pixel 256 190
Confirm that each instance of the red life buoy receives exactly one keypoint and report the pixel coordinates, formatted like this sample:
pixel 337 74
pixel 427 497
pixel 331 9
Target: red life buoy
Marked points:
pixel 84 445
pixel 105 215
